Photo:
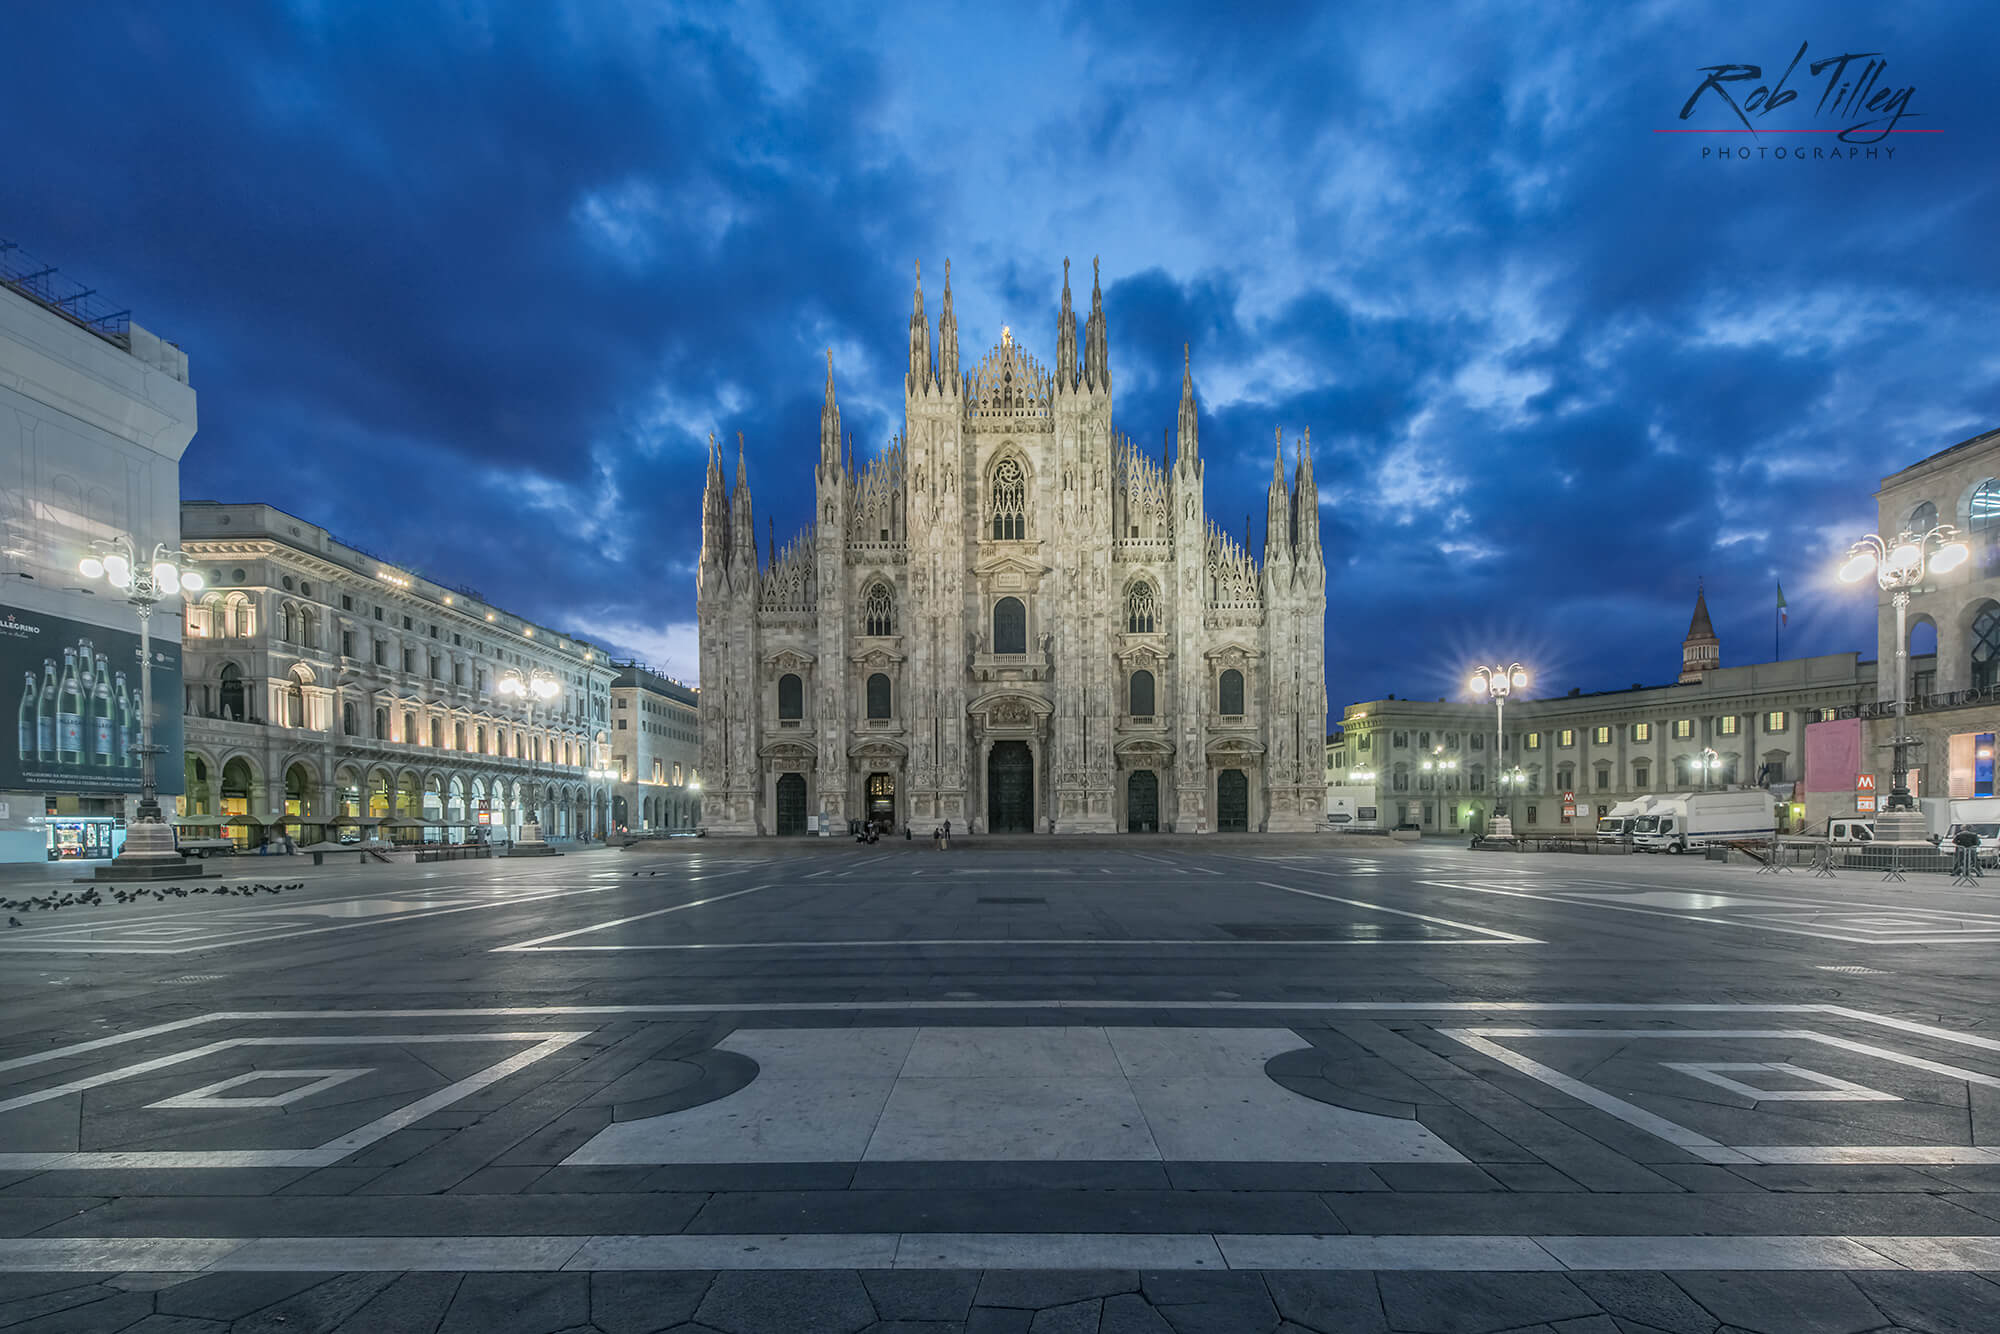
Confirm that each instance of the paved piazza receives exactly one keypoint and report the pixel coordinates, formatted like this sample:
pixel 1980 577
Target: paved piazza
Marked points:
pixel 1144 1085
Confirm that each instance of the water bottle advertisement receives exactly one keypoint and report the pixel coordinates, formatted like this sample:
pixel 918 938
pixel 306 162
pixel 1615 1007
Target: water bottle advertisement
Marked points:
pixel 77 693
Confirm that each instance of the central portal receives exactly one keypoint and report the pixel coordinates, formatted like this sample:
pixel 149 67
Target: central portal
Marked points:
pixel 1010 788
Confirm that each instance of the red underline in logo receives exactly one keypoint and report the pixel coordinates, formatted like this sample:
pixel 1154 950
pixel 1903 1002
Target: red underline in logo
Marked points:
pixel 1786 131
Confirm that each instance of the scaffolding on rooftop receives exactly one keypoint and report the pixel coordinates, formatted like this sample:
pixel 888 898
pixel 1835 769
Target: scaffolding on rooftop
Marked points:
pixel 44 285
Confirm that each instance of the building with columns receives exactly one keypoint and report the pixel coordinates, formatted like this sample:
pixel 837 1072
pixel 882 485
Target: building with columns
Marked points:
pixel 1569 758
pixel 1953 671
pixel 655 747
pixel 1013 618
pixel 322 682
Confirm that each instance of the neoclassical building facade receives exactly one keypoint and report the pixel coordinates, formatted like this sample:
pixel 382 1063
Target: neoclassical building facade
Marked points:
pixel 324 683
pixel 1013 619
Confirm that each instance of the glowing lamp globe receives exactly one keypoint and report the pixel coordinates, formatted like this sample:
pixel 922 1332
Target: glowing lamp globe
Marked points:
pixel 1520 680
pixel 1858 567
pixel 1949 557
pixel 90 567
pixel 165 576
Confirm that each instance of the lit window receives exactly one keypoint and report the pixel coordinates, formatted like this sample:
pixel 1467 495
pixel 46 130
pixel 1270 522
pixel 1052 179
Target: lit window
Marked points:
pixel 1566 737
pixel 1533 741
pixel 1683 728
pixel 1726 726
pixel 1642 731
pixel 1602 736
pixel 1774 721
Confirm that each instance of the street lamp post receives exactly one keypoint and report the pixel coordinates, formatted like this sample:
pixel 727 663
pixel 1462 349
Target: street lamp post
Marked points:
pixel 150 851
pixel 1709 762
pixel 1898 567
pixel 1497 683
pixel 538 686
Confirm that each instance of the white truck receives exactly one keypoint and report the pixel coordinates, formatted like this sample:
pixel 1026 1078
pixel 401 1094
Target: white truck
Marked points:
pixel 1850 829
pixel 1615 826
pixel 1697 819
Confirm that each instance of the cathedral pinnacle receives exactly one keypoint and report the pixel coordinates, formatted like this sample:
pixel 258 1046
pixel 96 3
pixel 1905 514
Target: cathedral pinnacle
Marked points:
pixel 919 378
pixel 1096 358
pixel 1190 448
pixel 1066 372
pixel 947 339
pixel 829 424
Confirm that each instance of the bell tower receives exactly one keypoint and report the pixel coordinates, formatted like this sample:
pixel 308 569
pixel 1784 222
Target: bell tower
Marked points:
pixel 1701 651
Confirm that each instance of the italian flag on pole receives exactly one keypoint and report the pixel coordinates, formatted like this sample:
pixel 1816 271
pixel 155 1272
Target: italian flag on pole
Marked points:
pixel 1783 618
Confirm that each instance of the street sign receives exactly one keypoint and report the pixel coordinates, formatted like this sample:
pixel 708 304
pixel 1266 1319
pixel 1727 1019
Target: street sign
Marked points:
pixel 1864 782
pixel 1865 803
pixel 1569 798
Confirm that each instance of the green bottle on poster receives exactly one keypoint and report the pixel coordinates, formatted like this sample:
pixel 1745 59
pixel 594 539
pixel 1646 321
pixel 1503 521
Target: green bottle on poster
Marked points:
pixel 101 718
pixel 45 714
pixel 29 744
pixel 128 731
pixel 69 713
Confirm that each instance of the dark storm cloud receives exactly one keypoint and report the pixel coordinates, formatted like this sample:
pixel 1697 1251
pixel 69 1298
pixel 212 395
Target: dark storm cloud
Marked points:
pixel 472 284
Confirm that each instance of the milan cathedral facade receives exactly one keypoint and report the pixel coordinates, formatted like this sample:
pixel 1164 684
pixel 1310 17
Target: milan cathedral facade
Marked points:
pixel 1014 620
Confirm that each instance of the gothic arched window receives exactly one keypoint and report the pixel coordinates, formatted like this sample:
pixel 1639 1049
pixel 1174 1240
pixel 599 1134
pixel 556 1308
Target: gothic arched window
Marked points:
pixel 295 705
pixel 878 696
pixel 1923 518
pixel 287 624
pixel 349 723
pixel 1230 696
pixel 1142 694
pixel 1982 512
pixel 879 614
pixel 1139 609
pixel 1010 626
pixel 791 698
pixel 1009 502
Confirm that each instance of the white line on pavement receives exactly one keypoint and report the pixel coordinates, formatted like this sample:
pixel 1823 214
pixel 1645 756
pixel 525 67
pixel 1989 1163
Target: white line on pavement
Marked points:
pixel 621 921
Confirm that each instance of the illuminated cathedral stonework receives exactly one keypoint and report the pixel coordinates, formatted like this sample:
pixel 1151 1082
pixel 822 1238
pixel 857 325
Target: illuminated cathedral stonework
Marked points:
pixel 1014 620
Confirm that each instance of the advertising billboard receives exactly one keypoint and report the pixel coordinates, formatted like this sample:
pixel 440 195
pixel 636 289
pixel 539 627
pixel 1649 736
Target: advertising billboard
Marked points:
pixel 78 706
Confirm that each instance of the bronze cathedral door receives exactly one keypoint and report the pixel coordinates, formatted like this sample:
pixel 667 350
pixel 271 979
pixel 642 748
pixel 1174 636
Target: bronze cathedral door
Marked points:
pixel 1010 788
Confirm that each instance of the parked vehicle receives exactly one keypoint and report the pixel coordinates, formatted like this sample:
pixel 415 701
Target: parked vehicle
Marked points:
pixel 1850 829
pixel 1697 819
pixel 1615 826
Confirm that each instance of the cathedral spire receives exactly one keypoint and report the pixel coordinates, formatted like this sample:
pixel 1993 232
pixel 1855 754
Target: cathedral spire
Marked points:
pixel 1277 508
pixel 1305 504
pixel 1066 339
pixel 919 378
pixel 741 527
pixel 1190 446
pixel 829 425
pixel 947 340
pixel 714 510
pixel 1096 358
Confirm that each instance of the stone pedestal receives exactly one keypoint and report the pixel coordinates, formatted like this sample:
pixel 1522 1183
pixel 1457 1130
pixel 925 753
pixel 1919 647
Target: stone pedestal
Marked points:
pixel 150 854
pixel 531 843
pixel 1500 826
pixel 1901 827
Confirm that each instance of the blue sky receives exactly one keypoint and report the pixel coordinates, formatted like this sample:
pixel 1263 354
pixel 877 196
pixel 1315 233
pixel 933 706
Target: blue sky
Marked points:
pixel 470 284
